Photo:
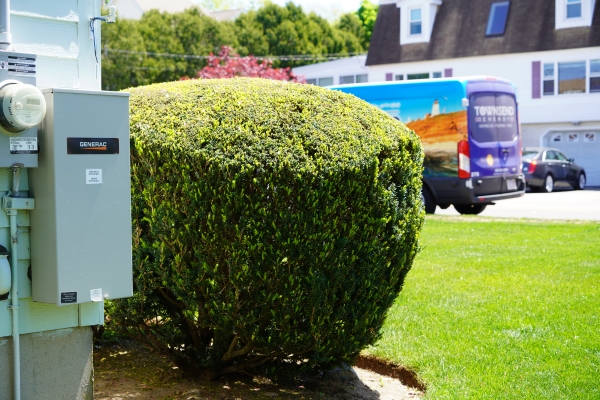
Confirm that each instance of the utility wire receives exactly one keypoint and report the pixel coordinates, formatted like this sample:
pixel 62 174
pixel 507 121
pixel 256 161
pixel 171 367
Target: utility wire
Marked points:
pixel 299 57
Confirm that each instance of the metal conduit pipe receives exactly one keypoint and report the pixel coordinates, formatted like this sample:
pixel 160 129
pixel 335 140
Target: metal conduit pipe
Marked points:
pixel 5 36
pixel 12 210
pixel 14 303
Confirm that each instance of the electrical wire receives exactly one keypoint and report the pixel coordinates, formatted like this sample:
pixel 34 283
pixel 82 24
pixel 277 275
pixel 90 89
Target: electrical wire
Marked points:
pixel 298 57
pixel 92 20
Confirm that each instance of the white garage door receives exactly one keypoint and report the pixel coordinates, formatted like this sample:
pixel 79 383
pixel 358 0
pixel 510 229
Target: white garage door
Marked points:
pixel 583 146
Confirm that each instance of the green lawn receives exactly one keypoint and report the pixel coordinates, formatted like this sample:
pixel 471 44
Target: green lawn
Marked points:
pixel 501 310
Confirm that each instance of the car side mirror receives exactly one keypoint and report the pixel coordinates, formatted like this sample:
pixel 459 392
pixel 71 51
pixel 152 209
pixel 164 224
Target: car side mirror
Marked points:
pixel 571 160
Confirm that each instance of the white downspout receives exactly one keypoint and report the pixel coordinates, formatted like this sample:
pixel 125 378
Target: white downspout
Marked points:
pixel 5 36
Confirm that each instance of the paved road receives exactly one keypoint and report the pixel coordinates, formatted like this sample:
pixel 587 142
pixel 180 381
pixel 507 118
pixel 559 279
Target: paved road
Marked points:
pixel 563 204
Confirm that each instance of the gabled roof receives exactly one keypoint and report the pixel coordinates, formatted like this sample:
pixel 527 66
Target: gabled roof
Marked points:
pixel 459 31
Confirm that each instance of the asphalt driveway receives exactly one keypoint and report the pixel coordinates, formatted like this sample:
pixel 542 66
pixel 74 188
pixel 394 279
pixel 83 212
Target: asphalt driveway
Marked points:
pixel 564 204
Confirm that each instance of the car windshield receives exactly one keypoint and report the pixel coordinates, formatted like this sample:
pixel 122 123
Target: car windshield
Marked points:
pixel 529 154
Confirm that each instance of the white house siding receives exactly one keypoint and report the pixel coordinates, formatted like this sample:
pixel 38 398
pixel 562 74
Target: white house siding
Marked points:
pixel 58 33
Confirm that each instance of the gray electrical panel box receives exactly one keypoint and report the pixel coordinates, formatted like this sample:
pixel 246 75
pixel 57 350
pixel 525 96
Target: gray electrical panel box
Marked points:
pixel 22 148
pixel 81 226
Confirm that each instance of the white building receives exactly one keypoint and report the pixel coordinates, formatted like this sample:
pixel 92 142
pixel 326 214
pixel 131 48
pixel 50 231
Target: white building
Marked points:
pixel 550 49
pixel 342 71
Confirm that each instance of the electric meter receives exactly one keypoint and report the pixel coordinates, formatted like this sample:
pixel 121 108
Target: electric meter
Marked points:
pixel 22 106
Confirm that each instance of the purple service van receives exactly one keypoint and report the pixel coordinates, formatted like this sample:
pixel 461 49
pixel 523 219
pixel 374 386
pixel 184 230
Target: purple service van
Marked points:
pixel 470 132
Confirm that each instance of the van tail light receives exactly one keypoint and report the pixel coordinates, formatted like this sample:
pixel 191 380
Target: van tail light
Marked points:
pixel 532 166
pixel 464 160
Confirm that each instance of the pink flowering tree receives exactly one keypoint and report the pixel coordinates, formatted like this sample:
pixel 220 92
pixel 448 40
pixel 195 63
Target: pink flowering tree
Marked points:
pixel 227 65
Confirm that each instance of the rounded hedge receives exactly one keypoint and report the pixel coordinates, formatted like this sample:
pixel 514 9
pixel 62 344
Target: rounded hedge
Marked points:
pixel 272 221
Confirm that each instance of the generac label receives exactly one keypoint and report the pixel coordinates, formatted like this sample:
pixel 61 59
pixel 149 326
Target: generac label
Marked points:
pixel 92 145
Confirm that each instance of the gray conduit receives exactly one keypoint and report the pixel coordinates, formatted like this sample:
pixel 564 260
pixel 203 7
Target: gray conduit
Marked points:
pixel 5 36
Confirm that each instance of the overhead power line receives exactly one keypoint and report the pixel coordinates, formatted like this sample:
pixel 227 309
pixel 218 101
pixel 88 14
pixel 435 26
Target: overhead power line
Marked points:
pixel 298 57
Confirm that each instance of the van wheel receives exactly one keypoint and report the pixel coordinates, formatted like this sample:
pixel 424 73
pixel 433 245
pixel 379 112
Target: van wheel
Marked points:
pixel 427 200
pixel 470 209
pixel 548 184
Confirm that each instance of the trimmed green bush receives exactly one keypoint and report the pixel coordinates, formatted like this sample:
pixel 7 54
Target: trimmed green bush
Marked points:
pixel 272 221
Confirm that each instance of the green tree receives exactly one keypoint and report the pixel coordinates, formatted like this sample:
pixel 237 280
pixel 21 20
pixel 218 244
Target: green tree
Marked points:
pixel 367 13
pixel 119 68
pixel 250 35
pixel 276 30
pixel 351 24
pixel 135 52
pixel 126 61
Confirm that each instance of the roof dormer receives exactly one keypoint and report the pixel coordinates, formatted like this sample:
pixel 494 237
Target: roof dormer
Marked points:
pixel 574 13
pixel 416 19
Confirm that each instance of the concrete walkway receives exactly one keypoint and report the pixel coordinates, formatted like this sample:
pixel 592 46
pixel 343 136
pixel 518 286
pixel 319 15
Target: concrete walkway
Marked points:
pixel 563 204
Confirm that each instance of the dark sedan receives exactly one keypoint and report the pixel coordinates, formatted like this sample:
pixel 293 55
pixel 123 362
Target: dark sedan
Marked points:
pixel 543 166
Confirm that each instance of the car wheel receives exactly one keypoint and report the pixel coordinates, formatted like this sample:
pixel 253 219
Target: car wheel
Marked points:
pixel 580 182
pixel 548 184
pixel 470 209
pixel 427 200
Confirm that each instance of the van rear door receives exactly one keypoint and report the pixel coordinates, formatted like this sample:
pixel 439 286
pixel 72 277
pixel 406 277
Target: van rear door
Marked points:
pixel 494 142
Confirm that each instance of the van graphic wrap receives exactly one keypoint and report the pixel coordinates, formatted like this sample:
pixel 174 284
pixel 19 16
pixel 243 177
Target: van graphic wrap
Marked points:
pixel 440 122
pixel 439 136
pixel 494 134
pixel 469 130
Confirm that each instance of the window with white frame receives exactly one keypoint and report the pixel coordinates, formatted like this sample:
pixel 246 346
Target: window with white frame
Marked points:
pixel 589 137
pixel 573 137
pixel 399 77
pixel 416 22
pixel 571 77
pixel 573 9
pixel 594 76
pixel 573 13
pixel 436 75
pixel 312 81
pixel 424 75
pixel 362 78
pixel 348 79
pixel 548 85
pixel 345 80
pixel 326 81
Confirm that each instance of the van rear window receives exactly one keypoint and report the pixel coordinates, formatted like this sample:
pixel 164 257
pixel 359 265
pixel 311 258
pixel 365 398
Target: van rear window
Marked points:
pixel 492 117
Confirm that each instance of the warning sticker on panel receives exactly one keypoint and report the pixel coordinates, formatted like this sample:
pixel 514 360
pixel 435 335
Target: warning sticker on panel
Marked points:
pixel 21 66
pixel 68 297
pixel 96 294
pixel 23 145
pixel 93 176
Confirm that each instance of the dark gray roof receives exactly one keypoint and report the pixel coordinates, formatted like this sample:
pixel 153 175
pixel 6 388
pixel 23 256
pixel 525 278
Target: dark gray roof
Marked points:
pixel 459 31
